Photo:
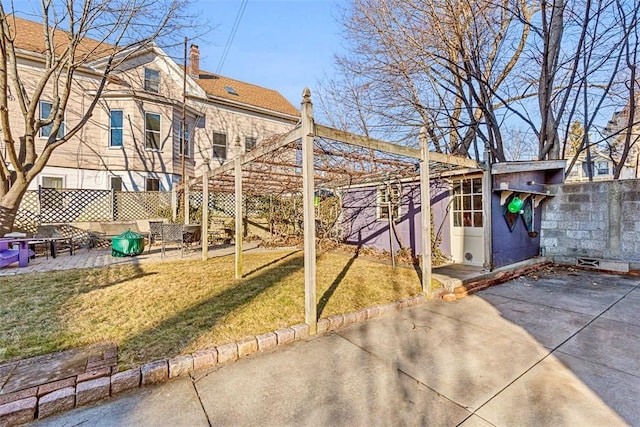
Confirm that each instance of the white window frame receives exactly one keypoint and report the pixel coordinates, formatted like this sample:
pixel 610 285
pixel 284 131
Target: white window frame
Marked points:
pixel 151 84
pixel 459 210
pixel 187 148
pixel 226 146
pixel 47 128
pixel 111 128
pixel 603 171
pixel 382 202
pixel 56 177
pixel 159 132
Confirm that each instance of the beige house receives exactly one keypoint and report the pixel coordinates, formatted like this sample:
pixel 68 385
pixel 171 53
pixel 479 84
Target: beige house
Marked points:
pixel 616 131
pixel 133 140
pixel 601 168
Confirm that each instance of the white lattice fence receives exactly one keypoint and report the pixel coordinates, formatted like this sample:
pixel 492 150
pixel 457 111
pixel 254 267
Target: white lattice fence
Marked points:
pixel 131 205
pixel 27 214
pixel 220 205
pixel 49 205
pixel 75 205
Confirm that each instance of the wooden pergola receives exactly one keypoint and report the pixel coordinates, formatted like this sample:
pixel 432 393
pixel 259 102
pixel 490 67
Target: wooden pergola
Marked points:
pixel 274 167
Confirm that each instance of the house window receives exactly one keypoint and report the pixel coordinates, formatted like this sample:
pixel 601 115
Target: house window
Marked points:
pixel 116 183
pixel 219 146
pixel 115 128
pixel 186 134
pixel 45 111
pixel 603 168
pixel 467 203
pixel 53 182
pixel 151 80
pixel 152 131
pixel 249 143
pixel 152 184
pixel 388 198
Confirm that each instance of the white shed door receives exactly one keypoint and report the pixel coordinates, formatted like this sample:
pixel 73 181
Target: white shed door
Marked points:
pixel 467 233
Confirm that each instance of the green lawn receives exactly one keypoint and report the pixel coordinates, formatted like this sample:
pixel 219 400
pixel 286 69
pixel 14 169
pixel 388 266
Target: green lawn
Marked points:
pixel 155 311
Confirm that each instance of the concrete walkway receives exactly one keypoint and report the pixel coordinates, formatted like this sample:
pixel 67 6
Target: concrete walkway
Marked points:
pixel 559 350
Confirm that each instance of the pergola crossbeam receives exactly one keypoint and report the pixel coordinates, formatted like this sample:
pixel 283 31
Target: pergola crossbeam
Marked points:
pixel 365 142
pixel 260 151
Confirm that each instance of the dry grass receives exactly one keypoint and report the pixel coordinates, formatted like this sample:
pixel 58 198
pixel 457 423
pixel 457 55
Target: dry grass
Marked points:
pixel 153 311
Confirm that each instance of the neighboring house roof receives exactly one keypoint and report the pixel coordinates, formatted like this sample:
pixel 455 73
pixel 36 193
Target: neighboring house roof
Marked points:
pixel 29 37
pixel 234 90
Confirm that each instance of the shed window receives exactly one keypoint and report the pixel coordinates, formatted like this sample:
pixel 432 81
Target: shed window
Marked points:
pixel 389 201
pixel 467 203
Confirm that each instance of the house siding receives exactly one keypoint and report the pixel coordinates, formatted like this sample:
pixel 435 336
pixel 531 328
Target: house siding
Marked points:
pixel 87 161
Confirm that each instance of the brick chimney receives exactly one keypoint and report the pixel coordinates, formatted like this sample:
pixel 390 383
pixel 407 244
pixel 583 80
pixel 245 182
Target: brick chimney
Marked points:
pixel 194 61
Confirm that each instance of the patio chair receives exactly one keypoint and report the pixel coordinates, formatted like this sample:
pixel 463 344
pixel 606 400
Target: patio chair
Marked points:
pixel 155 232
pixel 172 233
pixel 192 235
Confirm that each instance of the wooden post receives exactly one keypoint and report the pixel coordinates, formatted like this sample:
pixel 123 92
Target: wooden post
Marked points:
pixel 487 193
pixel 113 204
pixel 238 188
pixel 310 310
pixel 185 194
pixel 391 231
pixel 425 213
pixel 174 204
pixel 205 211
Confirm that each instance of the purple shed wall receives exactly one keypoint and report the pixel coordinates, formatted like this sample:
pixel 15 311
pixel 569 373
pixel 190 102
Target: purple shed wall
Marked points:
pixel 514 246
pixel 362 228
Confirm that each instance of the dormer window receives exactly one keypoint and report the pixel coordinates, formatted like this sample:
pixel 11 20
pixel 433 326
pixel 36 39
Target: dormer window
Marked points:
pixel 151 80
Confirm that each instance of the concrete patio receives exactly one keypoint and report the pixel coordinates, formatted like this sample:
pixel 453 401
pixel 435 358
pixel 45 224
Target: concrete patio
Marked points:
pixel 556 348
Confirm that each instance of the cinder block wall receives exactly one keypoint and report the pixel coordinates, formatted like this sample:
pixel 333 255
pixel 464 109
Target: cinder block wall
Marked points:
pixel 592 220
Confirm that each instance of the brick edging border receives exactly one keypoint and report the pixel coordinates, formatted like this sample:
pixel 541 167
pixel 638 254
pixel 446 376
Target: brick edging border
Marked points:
pixel 503 276
pixel 59 396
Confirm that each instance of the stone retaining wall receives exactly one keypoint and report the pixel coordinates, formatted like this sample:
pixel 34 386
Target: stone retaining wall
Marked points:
pixel 593 221
pixel 48 399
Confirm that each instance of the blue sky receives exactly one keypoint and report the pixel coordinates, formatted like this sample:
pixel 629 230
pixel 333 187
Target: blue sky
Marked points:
pixel 280 44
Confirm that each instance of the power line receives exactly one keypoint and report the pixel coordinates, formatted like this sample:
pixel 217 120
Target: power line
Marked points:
pixel 232 35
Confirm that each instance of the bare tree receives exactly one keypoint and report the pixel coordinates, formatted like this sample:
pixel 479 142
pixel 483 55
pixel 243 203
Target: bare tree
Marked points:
pixel 78 39
pixel 471 69
pixel 629 15
pixel 441 64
